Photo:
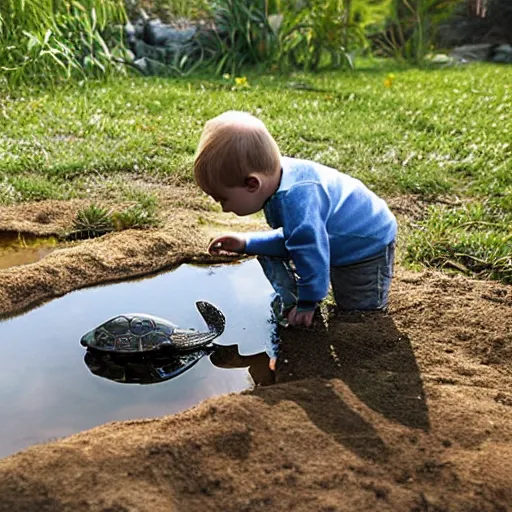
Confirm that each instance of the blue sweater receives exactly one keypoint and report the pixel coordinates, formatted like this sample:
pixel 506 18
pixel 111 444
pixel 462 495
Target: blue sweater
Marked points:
pixel 321 218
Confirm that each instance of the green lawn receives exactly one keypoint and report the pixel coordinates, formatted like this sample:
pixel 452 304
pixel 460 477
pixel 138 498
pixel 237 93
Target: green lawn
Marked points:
pixel 434 133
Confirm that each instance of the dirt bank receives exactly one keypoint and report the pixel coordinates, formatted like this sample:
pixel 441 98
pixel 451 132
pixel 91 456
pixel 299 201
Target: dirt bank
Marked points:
pixel 407 411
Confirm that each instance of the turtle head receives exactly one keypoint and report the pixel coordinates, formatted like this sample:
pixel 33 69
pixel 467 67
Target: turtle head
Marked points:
pixel 104 336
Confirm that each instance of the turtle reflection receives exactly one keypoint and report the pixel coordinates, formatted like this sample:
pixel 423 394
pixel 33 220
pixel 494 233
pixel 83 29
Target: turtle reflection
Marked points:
pixel 141 368
pixel 152 368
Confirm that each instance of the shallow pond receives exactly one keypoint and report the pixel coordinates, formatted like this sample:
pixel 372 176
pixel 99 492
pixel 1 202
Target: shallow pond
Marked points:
pixel 48 391
pixel 20 249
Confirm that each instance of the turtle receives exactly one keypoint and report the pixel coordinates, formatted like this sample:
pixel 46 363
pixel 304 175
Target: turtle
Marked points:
pixel 138 332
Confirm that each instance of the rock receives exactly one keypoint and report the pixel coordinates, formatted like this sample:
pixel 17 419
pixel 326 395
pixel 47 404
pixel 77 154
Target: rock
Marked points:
pixel 472 52
pixel 502 53
pixel 483 52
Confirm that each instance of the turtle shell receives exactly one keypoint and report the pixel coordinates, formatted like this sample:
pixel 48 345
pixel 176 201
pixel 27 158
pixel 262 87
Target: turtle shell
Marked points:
pixel 130 333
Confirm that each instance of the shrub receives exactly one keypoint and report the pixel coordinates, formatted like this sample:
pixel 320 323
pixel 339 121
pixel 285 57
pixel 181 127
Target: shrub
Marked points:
pixel 45 41
pixel 242 35
pixel 327 28
pixel 412 27
pixel 95 220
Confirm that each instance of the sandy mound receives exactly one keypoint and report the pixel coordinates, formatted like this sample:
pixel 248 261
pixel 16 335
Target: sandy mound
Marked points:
pixel 408 411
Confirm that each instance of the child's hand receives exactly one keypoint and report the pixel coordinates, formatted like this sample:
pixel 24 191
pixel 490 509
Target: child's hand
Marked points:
pixel 227 244
pixel 300 317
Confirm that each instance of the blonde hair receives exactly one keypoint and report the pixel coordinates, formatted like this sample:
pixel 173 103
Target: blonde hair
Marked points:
pixel 232 146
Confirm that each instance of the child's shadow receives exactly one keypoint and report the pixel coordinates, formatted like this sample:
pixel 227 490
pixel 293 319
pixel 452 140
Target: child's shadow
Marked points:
pixel 375 360
pixel 314 396
pixel 369 354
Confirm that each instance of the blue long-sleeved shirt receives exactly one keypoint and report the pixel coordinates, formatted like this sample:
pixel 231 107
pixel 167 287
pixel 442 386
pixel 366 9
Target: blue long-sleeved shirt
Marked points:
pixel 321 218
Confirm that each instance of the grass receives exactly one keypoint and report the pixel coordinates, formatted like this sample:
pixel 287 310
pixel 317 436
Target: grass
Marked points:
pixel 96 220
pixel 433 133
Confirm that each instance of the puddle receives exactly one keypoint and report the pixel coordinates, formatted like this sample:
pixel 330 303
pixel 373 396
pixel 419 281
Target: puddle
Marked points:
pixel 21 249
pixel 50 387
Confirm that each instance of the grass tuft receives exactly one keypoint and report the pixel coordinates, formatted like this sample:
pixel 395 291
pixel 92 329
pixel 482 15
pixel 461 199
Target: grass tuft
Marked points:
pixel 95 220
pixel 475 239
pixel 91 222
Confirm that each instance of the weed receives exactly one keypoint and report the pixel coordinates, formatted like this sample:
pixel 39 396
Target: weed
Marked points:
pixel 91 222
pixel 135 217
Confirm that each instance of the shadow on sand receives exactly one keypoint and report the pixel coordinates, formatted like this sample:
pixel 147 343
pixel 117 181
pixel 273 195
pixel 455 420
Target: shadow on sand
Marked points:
pixel 373 358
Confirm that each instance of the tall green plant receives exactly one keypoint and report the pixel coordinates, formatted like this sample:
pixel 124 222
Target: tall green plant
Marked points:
pixel 242 35
pixel 51 40
pixel 320 30
pixel 38 15
pixel 411 28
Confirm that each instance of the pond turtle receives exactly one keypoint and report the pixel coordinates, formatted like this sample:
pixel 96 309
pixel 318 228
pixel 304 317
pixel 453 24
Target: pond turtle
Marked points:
pixel 138 332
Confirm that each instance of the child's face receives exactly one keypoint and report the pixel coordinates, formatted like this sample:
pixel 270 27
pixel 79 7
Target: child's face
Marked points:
pixel 241 200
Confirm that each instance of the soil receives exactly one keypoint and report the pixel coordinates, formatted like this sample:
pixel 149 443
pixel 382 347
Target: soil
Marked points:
pixel 405 411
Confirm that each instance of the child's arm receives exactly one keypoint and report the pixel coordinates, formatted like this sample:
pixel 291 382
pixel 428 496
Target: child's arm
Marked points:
pixel 266 243
pixel 261 243
pixel 305 210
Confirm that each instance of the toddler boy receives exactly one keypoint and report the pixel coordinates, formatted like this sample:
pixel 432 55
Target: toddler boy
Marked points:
pixel 326 225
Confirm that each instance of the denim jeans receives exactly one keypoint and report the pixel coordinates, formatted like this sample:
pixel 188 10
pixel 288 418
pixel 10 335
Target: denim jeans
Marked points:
pixel 357 287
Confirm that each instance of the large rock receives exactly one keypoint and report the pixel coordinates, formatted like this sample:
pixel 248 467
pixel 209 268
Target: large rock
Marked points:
pixel 483 52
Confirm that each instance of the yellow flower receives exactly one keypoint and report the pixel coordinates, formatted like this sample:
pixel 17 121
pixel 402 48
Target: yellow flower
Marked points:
pixel 388 82
pixel 241 81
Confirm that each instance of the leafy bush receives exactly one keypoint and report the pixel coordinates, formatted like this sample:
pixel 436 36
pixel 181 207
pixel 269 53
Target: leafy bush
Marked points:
pixel 134 217
pixel 412 27
pixel 242 35
pixel 233 34
pixel 95 220
pixel 304 36
pixel 51 41
pixel 320 27
pixel 92 221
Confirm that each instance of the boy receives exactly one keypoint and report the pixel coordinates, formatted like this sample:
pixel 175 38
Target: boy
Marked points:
pixel 328 225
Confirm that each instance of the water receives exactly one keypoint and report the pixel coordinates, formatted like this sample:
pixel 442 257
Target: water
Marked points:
pixel 21 249
pixel 47 391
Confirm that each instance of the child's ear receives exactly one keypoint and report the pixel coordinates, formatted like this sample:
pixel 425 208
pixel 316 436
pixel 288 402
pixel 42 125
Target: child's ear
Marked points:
pixel 252 183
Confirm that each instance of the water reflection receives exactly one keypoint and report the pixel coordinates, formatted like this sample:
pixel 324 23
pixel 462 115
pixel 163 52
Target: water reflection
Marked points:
pixel 47 391
pixel 257 364
pixel 141 368
pixel 164 365
pixel 21 249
